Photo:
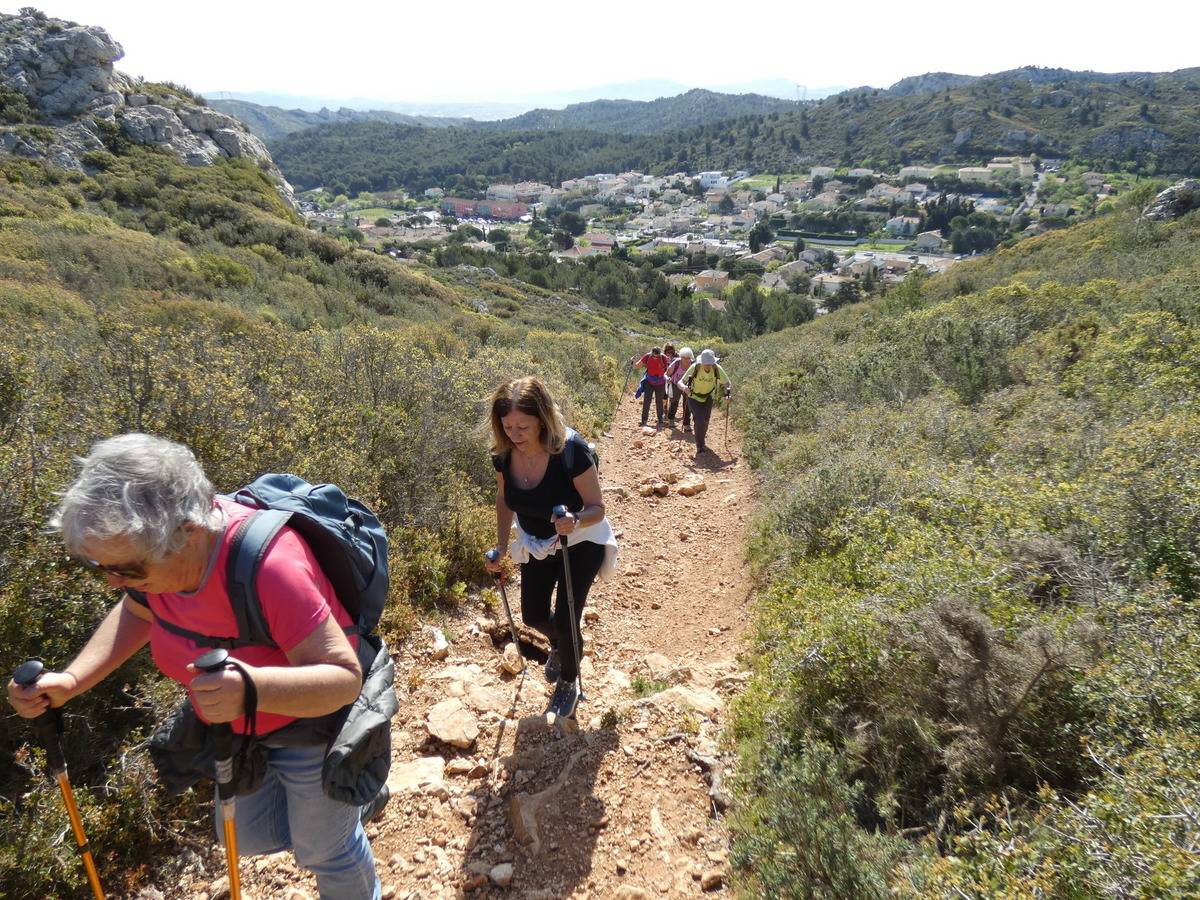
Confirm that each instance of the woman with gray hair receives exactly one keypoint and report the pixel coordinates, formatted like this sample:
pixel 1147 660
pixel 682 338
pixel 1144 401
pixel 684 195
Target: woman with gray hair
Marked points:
pixel 143 515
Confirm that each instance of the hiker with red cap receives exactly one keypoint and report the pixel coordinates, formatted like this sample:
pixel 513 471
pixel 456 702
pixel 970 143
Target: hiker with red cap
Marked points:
pixel 654 382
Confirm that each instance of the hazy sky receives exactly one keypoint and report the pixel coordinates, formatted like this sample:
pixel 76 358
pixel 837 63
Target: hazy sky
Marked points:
pixel 442 49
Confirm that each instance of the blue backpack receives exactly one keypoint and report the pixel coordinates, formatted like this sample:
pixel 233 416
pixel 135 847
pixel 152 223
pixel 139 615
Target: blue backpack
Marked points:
pixel 346 538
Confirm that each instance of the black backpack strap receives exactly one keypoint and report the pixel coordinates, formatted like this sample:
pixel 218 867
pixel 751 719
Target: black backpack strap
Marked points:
pixel 202 640
pixel 568 451
pixel 246 552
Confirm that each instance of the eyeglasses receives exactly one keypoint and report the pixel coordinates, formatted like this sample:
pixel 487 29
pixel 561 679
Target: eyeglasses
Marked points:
pixel 132 571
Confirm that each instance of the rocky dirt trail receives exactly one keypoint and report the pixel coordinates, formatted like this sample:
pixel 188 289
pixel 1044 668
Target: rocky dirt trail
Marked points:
pixel 489 801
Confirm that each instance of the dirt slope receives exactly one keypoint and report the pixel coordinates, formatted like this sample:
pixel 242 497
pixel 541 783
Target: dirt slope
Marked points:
pixel 620 807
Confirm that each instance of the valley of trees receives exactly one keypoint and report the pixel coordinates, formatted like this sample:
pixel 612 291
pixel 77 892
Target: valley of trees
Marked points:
pixel 1149 124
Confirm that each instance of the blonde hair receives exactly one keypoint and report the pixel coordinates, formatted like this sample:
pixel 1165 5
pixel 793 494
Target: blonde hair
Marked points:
pixel 530 396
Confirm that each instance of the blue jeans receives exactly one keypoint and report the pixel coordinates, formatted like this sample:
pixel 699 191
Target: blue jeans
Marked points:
pixel 291 812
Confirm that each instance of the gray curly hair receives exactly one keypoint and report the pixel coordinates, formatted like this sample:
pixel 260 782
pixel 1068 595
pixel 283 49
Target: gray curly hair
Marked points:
pixel 139 486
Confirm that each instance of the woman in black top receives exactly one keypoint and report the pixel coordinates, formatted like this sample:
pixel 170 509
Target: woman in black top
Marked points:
pixel 528 439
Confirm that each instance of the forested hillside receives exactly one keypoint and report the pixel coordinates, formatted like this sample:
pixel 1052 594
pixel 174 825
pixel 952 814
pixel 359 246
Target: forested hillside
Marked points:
pixel 1147 123
pixel 978 642
pixel 695 107
pixel 270 122
pixel 190 303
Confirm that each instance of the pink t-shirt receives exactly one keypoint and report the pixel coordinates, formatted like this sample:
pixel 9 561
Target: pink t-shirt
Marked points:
pixel 294 593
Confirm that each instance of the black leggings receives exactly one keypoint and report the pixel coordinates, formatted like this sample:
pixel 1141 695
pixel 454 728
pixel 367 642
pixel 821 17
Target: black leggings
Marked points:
pixel 657 392
pixel 538 579
pixel 673 407
pixel 701 413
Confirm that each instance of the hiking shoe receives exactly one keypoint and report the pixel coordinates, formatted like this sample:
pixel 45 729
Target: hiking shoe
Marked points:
pixel 553 666
pixel 565 699
pixel 373 810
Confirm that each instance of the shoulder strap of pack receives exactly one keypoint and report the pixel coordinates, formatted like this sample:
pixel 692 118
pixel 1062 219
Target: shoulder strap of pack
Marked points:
pixel 568 451
pixel 246 552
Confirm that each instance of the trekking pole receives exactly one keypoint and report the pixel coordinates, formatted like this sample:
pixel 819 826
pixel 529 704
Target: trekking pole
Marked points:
pixel 492 556
pixel 48 728
pixel 222 735
pixel 625 386
pixel 728 404
pixel 558 512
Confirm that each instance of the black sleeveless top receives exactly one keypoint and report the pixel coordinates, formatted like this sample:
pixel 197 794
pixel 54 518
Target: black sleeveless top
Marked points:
pixel 557 487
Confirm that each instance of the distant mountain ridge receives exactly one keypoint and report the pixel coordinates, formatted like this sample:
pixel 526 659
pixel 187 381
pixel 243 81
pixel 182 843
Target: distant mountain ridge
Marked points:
pixel 1145 122
pixel 271 122
pixel 695 107
pixel 932 82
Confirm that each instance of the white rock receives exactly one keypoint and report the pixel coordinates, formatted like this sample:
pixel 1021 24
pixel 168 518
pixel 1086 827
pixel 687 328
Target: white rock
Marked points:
pixel 511 661
pixel 502 874
pixel 418 776
pixel 441 646
pixel 452 723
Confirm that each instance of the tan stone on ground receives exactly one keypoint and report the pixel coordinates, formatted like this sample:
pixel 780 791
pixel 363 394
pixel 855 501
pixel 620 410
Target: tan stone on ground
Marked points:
pixel 511 661
pixel 417 775
pixel 452 723
pixel 680 697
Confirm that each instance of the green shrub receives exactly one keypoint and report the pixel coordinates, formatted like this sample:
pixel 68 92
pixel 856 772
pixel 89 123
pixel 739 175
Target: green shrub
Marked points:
pixel 978 555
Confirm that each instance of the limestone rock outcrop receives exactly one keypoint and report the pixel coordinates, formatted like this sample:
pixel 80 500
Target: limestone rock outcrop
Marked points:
pixel 1177 200
pixel 80 104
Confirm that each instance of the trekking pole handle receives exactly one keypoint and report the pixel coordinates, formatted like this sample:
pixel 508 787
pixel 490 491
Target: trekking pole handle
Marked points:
pixel 559 511
pixel 47 725
pixel 222 732
pixel 493 556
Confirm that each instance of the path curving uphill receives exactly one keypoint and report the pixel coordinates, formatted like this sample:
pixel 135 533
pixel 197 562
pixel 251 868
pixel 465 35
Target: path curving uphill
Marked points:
pixel 627 806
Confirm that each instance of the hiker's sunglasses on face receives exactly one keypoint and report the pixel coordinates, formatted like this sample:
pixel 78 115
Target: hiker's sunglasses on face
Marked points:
pixel 132 571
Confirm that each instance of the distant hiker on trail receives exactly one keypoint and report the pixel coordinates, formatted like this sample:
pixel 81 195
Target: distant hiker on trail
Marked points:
pixel 653 383
pixel 540 464
pixel 669 354
pixel 700 383
pixel 675 372
pixel 143 516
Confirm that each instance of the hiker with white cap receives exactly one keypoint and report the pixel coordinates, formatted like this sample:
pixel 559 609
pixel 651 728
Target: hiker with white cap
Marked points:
pixel 675 373
pixel 700 383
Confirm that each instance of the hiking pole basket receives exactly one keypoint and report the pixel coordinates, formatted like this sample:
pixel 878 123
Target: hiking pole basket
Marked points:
pixel 48 728
pixel 222 740
pixel 558 512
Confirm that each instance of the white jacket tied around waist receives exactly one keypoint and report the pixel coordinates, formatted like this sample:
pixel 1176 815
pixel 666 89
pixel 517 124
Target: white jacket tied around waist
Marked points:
pixel 525 546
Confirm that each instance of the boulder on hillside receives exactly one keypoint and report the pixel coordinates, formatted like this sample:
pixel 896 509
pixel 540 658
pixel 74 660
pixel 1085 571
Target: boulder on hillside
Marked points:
pixel 1177 200
pixel 66 72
